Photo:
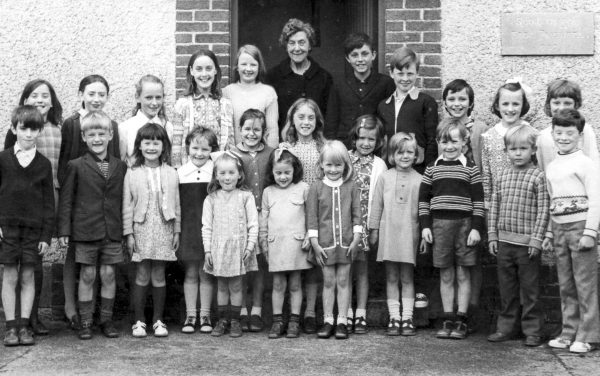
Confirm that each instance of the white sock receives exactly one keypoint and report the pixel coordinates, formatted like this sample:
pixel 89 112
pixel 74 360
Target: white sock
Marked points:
pixel 350 313
pixel 394 308
pixel 360 312
pixel 256 311
pixel 328 319
pixel 308 313
pixel 204 312
pixel 190 312
pixel 408 305
pixel 341 319
pixel 244 311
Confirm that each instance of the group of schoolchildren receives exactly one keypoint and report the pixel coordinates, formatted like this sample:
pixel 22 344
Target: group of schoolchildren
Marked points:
pixel 186 191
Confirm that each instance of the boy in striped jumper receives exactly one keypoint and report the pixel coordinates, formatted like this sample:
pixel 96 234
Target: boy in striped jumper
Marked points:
pixel 451 217
pixel 517 222
pixel 573 181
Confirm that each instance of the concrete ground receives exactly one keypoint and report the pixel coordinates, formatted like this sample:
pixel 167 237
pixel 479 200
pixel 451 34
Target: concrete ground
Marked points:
pixel 371 354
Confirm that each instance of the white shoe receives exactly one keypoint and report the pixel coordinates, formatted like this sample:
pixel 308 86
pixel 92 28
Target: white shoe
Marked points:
pixel 139 329
pixel 559 343
pixel 421 301
pixel 580 347
pixel 160 329
pixel 189 326
pixel 205 325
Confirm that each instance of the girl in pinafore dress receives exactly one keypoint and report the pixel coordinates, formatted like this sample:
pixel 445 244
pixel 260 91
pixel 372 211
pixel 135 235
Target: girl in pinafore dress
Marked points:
pixel 151 222
pixel 194 177
pixel 334 228
pixel 367 137
pixel 304 138
pixel 203 105
pixel 282 236
pixel 393 220
pixel 229 235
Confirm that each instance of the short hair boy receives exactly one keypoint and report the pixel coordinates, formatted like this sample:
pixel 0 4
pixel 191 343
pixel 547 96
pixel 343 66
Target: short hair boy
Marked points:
pixel 573 181
pixel 90 217
pixel 358 91
pixel 409 110
pixel 26 219
pixel 517 222
pixel 451 217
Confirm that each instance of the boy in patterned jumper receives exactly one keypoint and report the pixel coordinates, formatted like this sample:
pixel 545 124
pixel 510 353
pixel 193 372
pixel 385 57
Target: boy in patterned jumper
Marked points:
pixel 573 181
pixel 451 213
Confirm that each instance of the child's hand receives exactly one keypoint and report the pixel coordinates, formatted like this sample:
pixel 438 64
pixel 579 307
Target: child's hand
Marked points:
pixel 208 259
pixel 175 241
pixel 473 238
pixel 43 248
pixel 374 238
pixel 246 257
pixel 586 243
pixel 547 244
pixel 533 252
pixel 306 243
pixel 427 235
pixel 423 247
pixel 131 244
pixel 353 248
pixel 320 254
pixel 493 248
pixel 63 241
pixel 264 245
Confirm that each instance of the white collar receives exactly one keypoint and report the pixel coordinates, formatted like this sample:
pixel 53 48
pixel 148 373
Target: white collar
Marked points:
pixel 18 148
pixel 461 158
pixel 413 93
pixel 190 168
pixel 141 116
pixel 332 184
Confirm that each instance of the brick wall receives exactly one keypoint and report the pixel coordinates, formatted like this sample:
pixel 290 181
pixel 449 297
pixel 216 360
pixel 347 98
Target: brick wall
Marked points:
pixel 202 24
pixel 417 24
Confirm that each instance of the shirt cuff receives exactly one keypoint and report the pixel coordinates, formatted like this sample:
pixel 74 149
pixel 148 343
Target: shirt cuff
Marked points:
pixel 313 233
pixel 357 228
pixel 590 232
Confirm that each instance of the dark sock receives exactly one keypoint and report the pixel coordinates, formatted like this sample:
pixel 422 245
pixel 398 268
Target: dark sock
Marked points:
pixel 278 318
pixel 139 302
pixel 38 275
pixel 223 311
pixel 294 318
pixel 449 316
pixel 235 312
pixel 106 309
pixel 461 316
pixel 86 311
pixel 11 324
pixel 23 322
pixel 159 295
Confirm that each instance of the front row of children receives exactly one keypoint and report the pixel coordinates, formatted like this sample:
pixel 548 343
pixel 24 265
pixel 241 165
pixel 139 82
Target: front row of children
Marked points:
pixel 301 226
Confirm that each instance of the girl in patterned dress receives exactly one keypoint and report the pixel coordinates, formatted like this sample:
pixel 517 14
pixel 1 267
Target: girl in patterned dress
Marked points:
pixel 229 235
pixel 367 137
pixel 203 105
pixel 304 138
pixel 151 222
pixel 282 235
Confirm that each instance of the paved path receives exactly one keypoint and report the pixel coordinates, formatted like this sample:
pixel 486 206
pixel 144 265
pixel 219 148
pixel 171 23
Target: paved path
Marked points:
pixel 371 354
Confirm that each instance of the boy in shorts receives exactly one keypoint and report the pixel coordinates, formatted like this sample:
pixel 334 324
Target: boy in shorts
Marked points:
pixel 26 219
pixel 451 215
pixel 90 217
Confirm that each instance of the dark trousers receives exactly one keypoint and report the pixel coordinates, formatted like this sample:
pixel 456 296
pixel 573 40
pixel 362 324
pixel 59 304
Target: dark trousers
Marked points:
pixel 518 280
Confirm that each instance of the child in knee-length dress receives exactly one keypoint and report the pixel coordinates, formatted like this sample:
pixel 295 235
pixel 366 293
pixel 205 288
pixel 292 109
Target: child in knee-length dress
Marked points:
pixel 282 235
pixel 229 234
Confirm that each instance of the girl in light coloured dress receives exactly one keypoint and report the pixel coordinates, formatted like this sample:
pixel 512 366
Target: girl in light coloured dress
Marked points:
pixel 151 222
pixel 229 235
pixel 283 237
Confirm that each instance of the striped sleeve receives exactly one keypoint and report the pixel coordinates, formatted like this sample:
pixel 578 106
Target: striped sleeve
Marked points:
pixel 425 198
pixel 477 199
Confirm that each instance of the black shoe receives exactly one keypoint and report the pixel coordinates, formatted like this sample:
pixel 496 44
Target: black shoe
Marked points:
pixel 256 324
pixel 499 337
pixel 75 322
pixel 326 331
pixel 11 338
pixel 276 330
pixel 235 329
pixel 38 327
pixel 293 329
pixel 85 332
pixel 26 337
pixel 533 341
pixel 109 330
pixel 408 328
pixel 310 325
pixel 341 331
pixel 245 323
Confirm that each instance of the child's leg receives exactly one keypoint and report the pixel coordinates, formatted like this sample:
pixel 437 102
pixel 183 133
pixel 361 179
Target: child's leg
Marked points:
pixel 258 287
pixel 463 276
pixel 159 289
pixel 142 279
pixel 27 273
pixel 38 271
pixel 206 291
pixel 10 278
pixel 312 286
pixel 295 287
pixel 508 284
pixel 342 275
pixel 69 281
pixel 361 272
pixel 278 295
pixel 476 281
pixel 447 288
pixel 532 317
pixel 190 288
pixel 392 277
pixel 86 294
pixel 329 282
pixel 353 274
pixel 235 295
pixel 107 292
pixel 408 290
pixel 245 282
pixel 585 272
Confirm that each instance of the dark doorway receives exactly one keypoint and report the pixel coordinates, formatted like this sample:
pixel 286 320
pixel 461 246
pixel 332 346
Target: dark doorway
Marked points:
pixel 260 22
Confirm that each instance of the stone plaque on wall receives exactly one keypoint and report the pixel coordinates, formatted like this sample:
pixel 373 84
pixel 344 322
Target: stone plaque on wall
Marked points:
pixel 547 33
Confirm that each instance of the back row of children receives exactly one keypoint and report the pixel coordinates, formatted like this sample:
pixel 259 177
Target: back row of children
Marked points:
pixel 340 223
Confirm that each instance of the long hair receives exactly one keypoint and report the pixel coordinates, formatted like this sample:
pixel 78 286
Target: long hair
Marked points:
pixel 55 113
pixel 151 131
pixel 335 151
pixel 214 184
pixel 215 88
pixel 292 135
pixel 92 78
pixel 254 52
pixel 139 86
